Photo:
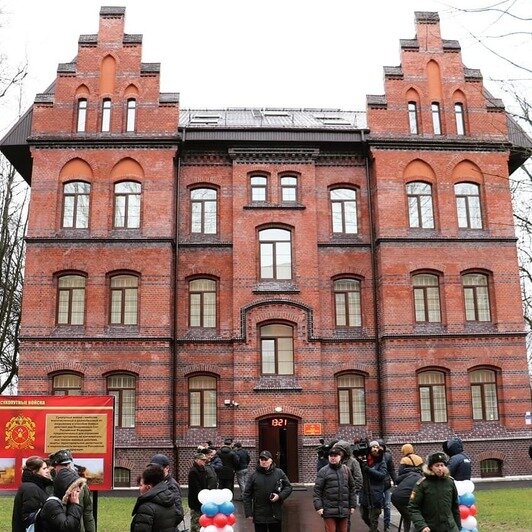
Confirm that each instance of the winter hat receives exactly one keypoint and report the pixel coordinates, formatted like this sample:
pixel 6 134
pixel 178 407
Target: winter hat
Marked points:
pixel 61 457
pixel 337 450
pixel 65 481
pixel 435 458
pixel 265 454
pixel 412 460
pixel 160 459
pixel 407 449
pixel 374 443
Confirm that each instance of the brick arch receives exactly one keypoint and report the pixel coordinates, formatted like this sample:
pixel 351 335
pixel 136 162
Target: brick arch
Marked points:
pixel 126 367
pixel 287 411
pixel 127 167
pixel 76 168
pixel 125 463
pixel 82 91
pixel 491 455
pixel 419 170
pixel 467 171
pixel 189 370
pixel 348 367
pixel 65 367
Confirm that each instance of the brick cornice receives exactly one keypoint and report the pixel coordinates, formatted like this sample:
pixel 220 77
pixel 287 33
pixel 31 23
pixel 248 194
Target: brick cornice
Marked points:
pixel 438 144
pixel 273 155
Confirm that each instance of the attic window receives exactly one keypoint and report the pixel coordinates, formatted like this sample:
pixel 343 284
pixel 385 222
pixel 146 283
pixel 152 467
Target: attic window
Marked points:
pixel 333 120
pixel 276 113
pixel 205 119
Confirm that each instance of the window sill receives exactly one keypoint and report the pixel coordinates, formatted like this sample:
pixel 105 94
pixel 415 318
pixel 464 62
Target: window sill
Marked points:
pixel 278 206
pixel 269 287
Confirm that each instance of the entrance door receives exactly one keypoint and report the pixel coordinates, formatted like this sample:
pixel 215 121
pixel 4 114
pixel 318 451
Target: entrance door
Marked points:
pixel 279 436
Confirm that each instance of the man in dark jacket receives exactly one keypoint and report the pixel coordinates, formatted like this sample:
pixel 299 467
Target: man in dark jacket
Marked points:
pixel 433 504
pixel 226 474
pixel 404 484
pixel 266 489
pixel 375 475
pixel 63 511
pixel 459 463
pixel 154 510
pixel 242 468
pixel 334 492
pixel 163 461
pixel 212 477
pixel 390 466
pixel 197 481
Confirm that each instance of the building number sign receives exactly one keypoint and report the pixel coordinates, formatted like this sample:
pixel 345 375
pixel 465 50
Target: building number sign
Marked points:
pixel 279 422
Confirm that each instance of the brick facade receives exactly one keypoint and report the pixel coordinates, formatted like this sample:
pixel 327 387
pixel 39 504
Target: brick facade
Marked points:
pixel 171 158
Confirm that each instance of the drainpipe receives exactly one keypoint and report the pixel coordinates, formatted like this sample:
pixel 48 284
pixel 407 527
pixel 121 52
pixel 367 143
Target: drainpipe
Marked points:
pixel 375 274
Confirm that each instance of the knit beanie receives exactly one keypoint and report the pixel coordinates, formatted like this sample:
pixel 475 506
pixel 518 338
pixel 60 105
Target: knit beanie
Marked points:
pixel 412 460
pixel 407 449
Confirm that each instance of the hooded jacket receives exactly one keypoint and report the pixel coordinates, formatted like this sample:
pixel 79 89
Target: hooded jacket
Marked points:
pixel 259 486
pixel 404 484
pixel 334 491
pixel 434 503
pixel 58 514
pixel 459 463
pixel 350 462
pixel 376 480
pixel 31 495
pixel 155 510
pixel 229 463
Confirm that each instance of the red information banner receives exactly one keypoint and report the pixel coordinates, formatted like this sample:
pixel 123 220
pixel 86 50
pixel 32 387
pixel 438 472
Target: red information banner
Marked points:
pixel 41 425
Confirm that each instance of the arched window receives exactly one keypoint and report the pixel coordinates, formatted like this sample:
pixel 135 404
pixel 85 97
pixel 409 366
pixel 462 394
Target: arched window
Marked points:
pixel 127 205
pixel 203 210
pixel 71 300
pixel 277 349
pixel 413 122
pixel 66 384
pixel 344 210
pixel 259 188
pixel 122 477
pixel 76 197
pixel 122 387
pixel 420 208
pixel 202 401
pixel 436 118
pixel 202 301
pixel 484 395
pixel 426 297
pixel 106 115
pixel 491 467
pixel 347 303
pixel 432 396
pixel 459 118
pixel 131 114
pixel 476 297
pixel 124 300
pixel 289 189
pixel 468 205
pixel 81 122
pixel 351 400
pixel 275 254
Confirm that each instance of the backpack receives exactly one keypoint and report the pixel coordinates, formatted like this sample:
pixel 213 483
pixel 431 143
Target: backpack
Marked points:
pixel 33 521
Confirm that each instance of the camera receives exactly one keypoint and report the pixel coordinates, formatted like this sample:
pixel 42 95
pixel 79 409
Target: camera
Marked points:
pixel 360 449
pixel 323 449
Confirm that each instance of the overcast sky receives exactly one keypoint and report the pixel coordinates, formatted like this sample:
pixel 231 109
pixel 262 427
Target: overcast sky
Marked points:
pixel 246 53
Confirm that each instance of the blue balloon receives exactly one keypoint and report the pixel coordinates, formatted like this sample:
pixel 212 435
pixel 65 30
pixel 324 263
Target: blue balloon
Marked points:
pixel 467 499
pixel 464 529
pixel 210 509
pixel 226 507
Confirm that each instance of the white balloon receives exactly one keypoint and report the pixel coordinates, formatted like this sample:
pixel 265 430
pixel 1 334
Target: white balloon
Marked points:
pixel 470 486
pixel 227 528
pixel 469 522
pixel 211 528
pixel 228 495
pixel 204 496
pixel 218 497
pixel 460 487
pixel 202 529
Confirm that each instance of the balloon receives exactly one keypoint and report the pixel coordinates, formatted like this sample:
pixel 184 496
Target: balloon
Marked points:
pixel 210 509
pixel 204 496
pixel 469 486
pixel 231 519
pixel 211 528
pixel 220 520
pixel 472 510
pixel 460 487
pixel 227 528
pixel 202 529
pixel 470 522
pixel 205 520
pixel 227 507
pixel 467 499
pixel 228 494
pixel 464 511
pixel 218 497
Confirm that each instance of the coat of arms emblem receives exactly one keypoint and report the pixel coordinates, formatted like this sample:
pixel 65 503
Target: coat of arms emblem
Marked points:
pixel 20 433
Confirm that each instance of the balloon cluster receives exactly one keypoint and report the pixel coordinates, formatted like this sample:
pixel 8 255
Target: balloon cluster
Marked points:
pixel 217 510
pixel 467 508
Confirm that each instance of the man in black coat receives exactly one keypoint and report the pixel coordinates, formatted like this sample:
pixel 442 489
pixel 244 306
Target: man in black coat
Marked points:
pixel 163 461
pixel 459 462
pixel 404 484
pixel 266 489
pixel 242 468
pixel 198 480
pixel 226 474
pixel 154 510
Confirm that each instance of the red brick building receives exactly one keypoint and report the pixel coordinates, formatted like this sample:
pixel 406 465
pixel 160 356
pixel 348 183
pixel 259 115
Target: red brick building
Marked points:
pixel 276 275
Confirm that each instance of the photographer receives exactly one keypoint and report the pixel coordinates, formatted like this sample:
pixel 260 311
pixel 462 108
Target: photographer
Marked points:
pixel 266 489
pixel 375 479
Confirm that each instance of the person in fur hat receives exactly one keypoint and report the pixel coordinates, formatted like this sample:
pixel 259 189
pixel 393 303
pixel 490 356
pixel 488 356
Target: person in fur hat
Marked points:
pixel 409 458
pixel 63 513
pixel 433 505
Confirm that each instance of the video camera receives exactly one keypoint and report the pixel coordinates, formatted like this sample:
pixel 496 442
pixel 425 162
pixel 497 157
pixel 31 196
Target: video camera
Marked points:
pixel 323 449
pixel 360 449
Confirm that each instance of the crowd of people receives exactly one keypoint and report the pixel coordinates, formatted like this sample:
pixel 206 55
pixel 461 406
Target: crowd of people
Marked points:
pixel 348 475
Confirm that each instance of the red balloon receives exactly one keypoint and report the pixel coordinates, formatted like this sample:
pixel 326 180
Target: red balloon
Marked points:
pixel 231 519
pixel 205 520
pixel 219 520
pixel 472 510
pixel 464 511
